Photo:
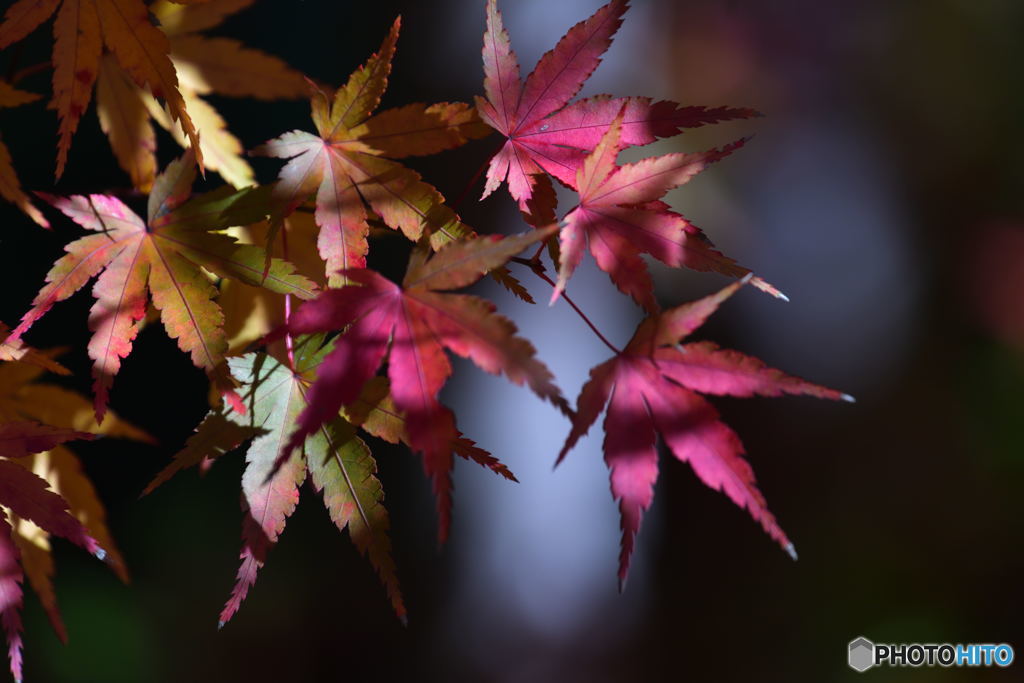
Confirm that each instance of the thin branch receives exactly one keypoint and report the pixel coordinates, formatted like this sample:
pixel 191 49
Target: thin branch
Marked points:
pixel 538 269
pixel 540 250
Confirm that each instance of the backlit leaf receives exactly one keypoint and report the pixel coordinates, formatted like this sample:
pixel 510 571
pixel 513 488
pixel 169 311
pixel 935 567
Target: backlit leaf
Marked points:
pixel 161 259
pixel 650 389
pixel 413 325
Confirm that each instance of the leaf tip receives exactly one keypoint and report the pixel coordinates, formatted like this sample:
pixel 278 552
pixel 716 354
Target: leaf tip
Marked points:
pixel 220 624
pixel 100 554
pixel 554 296
pixel 791 550
pixel 561 457
pixel 847 398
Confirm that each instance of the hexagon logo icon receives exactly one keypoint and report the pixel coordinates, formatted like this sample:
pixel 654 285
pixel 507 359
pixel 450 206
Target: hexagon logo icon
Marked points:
pixel 862 654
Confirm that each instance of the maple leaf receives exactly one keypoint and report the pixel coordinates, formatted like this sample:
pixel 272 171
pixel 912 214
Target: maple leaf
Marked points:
pixel 543 135
pixel 337 461
pixel 28 402
pixel 23 398
pixel 123 118
pixel 203 65
pixel 43 490
pixel 164 256
pixel 10 186
pixel 24 495
pixel 348 166
pixel 418 321
pixel 620 216
pixel 651 388
pixel 80 31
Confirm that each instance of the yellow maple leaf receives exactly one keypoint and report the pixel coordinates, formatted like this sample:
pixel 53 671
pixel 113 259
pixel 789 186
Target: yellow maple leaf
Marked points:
pixel 81 30
pixel 204 65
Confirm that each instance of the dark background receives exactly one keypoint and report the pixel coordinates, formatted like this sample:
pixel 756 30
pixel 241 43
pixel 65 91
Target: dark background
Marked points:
pixel 882 193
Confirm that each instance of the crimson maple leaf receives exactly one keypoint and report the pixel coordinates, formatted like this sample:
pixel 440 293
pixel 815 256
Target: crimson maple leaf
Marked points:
pixel 347 165
pixel 651 388
pixel 545 135
pixel 621 215
pixel 418 321
pixel 164 256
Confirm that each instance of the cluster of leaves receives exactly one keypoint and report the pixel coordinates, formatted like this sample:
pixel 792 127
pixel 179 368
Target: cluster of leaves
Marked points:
pixel 302 383
pixel 42 486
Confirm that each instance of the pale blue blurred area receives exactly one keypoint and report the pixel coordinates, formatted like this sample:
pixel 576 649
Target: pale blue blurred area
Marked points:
pixel 537 560
pixel 536 573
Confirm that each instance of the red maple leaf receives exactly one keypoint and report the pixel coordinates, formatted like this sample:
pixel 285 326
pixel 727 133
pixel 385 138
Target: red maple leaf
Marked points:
pixel 651 388
pixel 621 215
pixel 418 321
pixel 545 135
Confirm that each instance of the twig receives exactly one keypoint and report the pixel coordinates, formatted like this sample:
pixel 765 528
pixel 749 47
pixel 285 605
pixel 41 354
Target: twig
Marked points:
pixel 538 269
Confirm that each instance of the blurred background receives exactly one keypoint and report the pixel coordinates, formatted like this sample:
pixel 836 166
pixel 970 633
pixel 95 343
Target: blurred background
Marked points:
pixel 881 192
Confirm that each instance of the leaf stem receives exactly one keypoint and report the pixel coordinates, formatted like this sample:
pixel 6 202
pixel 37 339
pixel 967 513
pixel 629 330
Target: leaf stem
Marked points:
pixel 476 176
pixel 288 343
pixel 538 268
pixel 540 250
